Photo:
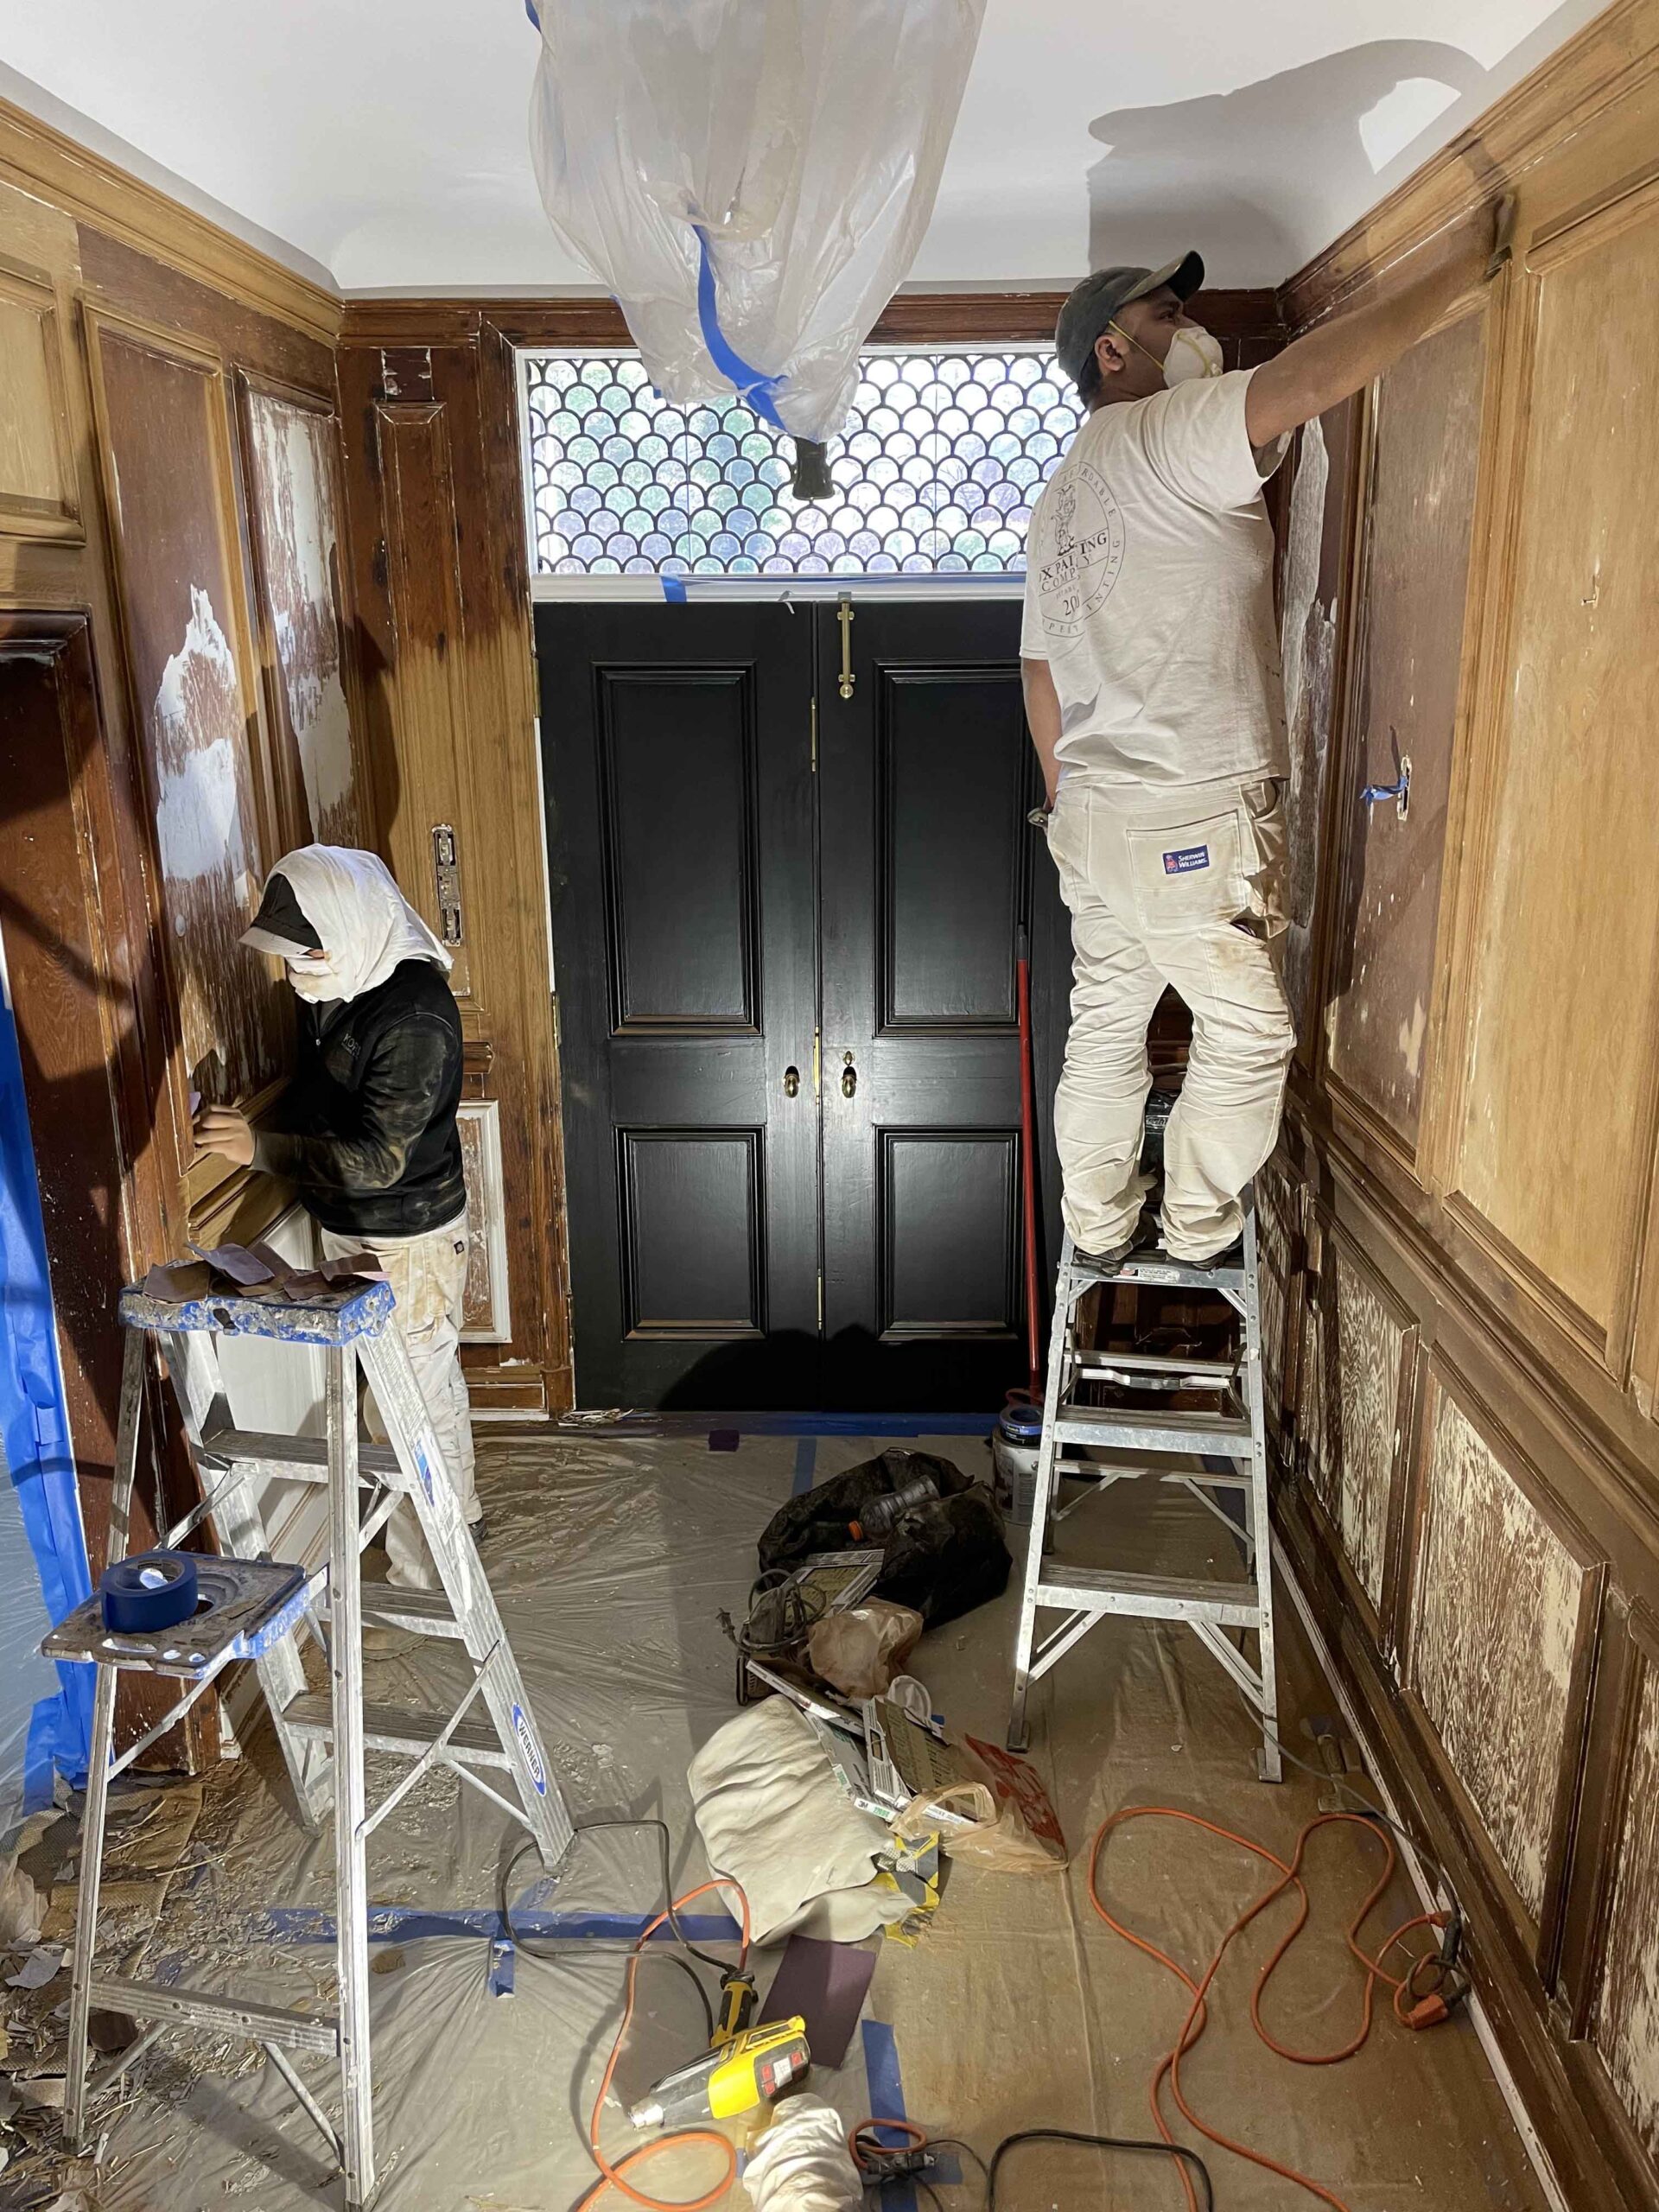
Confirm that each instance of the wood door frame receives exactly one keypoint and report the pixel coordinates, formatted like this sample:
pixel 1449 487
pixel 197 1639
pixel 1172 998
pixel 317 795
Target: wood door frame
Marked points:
pixel 125 963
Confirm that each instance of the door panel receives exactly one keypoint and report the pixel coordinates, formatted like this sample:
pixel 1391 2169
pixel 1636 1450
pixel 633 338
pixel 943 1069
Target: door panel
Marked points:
pixel 677 749
pixel 925 777
pixel 679 847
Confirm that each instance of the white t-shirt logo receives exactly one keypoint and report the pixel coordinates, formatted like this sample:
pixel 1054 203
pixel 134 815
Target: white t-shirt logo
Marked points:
pixel 1079 567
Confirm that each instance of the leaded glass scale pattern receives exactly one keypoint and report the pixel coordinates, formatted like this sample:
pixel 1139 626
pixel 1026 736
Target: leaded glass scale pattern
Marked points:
pixel 936 472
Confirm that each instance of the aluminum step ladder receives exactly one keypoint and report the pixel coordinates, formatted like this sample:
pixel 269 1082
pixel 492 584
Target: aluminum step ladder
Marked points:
pixel 1158 1441
pixel 323 1737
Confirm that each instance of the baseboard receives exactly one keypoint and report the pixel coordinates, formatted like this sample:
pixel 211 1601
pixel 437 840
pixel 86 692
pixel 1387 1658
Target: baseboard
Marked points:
pixel 1509 2087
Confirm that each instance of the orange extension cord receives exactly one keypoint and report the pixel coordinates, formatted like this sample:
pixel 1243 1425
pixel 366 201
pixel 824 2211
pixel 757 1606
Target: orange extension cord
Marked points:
pixel 614 2174
pixel 1413 2008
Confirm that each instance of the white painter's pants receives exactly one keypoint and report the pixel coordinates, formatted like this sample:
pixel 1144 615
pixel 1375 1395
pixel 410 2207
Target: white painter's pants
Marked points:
pixel 428 1275
pixel 1185 890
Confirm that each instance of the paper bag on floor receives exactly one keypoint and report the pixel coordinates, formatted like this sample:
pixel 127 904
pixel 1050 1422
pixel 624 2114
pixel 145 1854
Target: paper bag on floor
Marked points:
pixel 989 1809
pixel 859 1650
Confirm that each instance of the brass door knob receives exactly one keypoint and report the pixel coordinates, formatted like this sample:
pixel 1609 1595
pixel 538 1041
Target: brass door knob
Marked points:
pixel 792 1081
pixel 848 1078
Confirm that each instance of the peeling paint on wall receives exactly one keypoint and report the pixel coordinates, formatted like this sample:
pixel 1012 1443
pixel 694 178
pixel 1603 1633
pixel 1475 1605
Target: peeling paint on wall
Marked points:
pixel 1369 1341
pixel 299 540
pixel 1495 1605
pixel 1309 646
pixel 1625 2026
pixel 201 803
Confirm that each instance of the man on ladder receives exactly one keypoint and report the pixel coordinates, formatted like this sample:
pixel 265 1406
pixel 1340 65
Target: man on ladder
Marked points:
pixel 1152 684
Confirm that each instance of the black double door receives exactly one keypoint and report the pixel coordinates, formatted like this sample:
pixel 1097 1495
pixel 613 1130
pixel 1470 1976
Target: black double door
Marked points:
pixel 790 860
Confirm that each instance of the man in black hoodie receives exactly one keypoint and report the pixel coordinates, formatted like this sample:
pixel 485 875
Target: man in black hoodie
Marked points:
pixel 366 1130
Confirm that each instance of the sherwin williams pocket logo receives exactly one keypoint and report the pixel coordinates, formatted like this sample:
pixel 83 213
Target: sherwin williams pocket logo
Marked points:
pixel 1189 858
pixel 527 1745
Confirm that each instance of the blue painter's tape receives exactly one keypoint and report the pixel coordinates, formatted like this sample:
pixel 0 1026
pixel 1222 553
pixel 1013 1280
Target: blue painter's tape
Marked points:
pixel 1186 860
pixel 752 385
pixel 806 1460
pixel 886 2101
pixel 500 1977
pixel 407 1923
pixel 34 1443
pixel 674 590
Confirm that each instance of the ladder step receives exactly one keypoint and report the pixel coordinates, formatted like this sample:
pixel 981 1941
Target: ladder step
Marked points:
pixel 178 2006
pixel 427 1612
pixel 1136 1430
pixel 1149 1363
pixel 1157 1267
pixel 396 1728
pixel 1152 1596
pixel 300 1459
pixel 423 1612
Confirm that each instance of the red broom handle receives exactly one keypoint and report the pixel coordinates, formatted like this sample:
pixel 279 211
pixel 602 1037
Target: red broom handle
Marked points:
pixel 1028 1166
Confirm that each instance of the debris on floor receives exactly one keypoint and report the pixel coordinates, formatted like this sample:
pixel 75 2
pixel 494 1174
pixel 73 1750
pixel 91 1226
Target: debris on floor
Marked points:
pixel 611 1557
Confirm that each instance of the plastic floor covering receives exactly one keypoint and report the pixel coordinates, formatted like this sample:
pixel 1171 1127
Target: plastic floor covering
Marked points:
pixel 610 1558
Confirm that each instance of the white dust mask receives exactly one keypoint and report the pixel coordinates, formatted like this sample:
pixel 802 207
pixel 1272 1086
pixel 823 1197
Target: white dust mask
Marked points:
pixel 314 978
pixel 1192 353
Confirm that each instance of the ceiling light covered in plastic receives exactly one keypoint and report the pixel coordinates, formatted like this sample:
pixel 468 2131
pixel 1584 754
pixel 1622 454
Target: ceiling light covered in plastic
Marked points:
pixel 751 179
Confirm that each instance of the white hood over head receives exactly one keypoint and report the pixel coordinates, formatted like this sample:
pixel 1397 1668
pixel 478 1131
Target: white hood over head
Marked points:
pixel 366 925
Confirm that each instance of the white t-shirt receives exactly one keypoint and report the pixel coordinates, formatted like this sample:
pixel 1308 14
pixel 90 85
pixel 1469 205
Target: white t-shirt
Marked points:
pixel 1149 593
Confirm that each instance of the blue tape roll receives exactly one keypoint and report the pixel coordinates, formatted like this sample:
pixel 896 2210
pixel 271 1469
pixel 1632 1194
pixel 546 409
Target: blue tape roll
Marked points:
pixel 151 1590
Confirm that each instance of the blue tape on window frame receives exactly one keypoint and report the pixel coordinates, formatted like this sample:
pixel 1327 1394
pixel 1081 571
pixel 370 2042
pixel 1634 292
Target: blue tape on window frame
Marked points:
pixel 752 385
pixel 674 589
pixel 35 1426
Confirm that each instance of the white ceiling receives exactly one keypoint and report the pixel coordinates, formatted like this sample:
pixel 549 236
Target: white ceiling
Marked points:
pixel 387 144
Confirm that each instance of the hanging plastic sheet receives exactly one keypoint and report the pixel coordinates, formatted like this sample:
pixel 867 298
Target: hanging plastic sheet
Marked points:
pixel 751 179
pixel 45 1720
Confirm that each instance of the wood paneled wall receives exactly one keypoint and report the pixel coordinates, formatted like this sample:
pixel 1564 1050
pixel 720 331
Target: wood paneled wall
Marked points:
pixel 175 679
pixel 1461 1232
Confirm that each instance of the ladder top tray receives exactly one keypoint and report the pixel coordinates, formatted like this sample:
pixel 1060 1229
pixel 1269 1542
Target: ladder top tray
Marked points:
pixel 337 1316
pixel 244 1607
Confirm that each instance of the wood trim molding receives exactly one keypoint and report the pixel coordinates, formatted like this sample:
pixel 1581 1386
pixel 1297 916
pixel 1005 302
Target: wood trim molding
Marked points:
pixel 909 319
pixel 97 191
pixel 1610 58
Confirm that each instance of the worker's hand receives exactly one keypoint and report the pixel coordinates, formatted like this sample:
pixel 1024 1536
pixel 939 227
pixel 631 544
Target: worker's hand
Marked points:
pixel 223 1130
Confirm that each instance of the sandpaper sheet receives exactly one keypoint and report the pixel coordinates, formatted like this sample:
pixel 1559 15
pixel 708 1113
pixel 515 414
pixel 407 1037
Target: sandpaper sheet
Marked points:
pixel 826 1984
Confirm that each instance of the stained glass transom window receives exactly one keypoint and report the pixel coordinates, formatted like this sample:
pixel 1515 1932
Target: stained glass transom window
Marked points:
pixel 941 456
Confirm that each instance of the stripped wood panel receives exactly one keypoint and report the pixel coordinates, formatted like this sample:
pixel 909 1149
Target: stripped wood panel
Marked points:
pixel 1624 2027
pixel 1315 1367
pixel 1408 651
pixel 1273 1246
pixel 166 459
pixel 1557 1133
pixel 1495 1607
pixel 39 495
pixel 1311 588
pixel 295 458
pixel 485 1311
pixel 1364 1408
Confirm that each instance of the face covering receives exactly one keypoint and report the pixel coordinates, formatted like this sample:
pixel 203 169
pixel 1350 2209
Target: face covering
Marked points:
pixel 1192 353
pixel 314 978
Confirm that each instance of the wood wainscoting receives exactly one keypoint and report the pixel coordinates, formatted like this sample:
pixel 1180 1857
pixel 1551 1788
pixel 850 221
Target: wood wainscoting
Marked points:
pixel 1460 1231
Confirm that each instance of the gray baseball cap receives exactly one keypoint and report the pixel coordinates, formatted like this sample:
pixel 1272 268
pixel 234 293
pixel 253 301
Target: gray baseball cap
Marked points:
pixel 1090 306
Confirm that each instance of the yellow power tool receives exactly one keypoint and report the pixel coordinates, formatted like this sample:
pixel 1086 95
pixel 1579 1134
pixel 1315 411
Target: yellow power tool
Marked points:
pixel 750 2069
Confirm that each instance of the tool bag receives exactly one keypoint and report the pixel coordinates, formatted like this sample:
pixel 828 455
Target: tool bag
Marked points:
pixel 942 1558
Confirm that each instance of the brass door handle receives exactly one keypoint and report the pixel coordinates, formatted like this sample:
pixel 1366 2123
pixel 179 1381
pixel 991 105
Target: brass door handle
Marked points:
pixel 848 1078
pixel 792 1081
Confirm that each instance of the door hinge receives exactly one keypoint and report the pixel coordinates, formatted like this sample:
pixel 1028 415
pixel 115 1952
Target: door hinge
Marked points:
pixel 820 1301
pixel 815 733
